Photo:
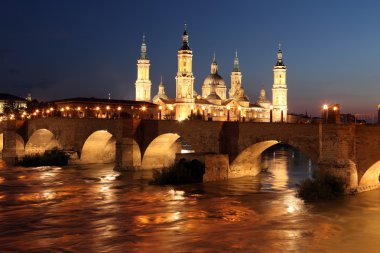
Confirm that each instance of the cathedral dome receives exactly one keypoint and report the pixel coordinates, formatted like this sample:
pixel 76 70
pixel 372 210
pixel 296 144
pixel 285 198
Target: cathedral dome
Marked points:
pixel 214 80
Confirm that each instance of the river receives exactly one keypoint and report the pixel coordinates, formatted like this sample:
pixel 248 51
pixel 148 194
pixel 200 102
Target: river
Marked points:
pixel 95 209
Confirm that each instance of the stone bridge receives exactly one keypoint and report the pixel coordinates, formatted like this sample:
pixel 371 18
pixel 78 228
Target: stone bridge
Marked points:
pixel 350 151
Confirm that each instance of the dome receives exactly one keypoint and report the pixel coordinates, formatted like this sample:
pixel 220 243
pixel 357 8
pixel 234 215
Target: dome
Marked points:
pixel 214 80
pixel 159 96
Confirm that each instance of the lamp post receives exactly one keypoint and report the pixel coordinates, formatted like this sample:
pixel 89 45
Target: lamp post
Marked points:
pixel 271 114
pixel 160 112
pixel 325 113
pixel 228 112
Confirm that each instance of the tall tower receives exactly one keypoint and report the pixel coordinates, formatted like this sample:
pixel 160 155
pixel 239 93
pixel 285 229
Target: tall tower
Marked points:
pixel 143 83
pixel 279 90
pixel 184 79
pixel 235 78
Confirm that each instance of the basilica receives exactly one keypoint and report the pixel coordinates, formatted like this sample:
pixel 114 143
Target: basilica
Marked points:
pixel 212 103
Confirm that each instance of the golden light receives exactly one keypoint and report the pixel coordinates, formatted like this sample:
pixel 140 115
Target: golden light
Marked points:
pixel 160 107
pixel 34 114
pixel 48 111
pixel 325 107
pixel 67 108
pixel 271 107
pixel 239 108
pixel 37 111
pixel 107 107
pixel 119 108
pixel 228 107
pixel 192 107
pixel 143 108
pixel 62 109
pixel 203 107
pixel 335 108
pixel 97 108
pixel 22 116
pixel 171 108
pixel 78 108
pixel 51 109
pixel 24 113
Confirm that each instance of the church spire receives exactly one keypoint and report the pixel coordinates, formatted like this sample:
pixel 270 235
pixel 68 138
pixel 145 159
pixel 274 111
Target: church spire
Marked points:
pixel 279 56
pixel 214 66
pixel 185 40
pixel 143 53
pixel 236 63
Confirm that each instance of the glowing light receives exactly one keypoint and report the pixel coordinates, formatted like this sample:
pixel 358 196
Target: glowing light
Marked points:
pixel 325 107
pixel 180 118
pixel 37 111
pixel 48 111
pixel 239 108
pixel 78 108
pixel 62 109
pixel 67 108
pixel 97 108
pixel 192 107
pixel 228 107
pixel 107 107
pixel 203 107
pixel 171 108
pixel 160 107
pixel 119 108
pixel 51 109
pixel 335 108
pixel 271 107
pixel 143 108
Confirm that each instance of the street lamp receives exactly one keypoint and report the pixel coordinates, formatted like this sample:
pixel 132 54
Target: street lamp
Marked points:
pixel 160 112
pixel 228 112
pixel 325 113
pixel 271 114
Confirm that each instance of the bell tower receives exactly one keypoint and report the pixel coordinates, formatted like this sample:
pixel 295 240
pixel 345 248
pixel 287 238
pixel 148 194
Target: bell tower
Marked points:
pixel 236 77
pixel 143 83
pixel 279 90
pixel 184 79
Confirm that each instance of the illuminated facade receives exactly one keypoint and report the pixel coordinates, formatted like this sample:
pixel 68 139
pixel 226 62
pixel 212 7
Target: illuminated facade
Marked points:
pixel 279 90
pixel 143 83
pixel 213 103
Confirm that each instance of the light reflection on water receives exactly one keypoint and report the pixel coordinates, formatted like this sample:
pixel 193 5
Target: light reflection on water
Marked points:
pixel 95 209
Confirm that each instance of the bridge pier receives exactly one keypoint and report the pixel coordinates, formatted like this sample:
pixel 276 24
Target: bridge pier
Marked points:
pixel 128 156
pixel 10 152
pixel 337 153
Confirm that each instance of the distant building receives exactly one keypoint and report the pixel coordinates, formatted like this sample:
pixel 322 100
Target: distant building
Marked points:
pixel 103 108
pixel 212 103
pixel 18 102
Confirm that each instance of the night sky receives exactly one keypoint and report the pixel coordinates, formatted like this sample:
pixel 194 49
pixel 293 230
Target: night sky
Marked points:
pixel 61 49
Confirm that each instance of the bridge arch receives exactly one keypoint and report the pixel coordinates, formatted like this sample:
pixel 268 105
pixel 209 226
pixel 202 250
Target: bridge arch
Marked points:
pixel 40 141
pixel 371 177
pixel 99 147
pixel 248 161
pixel 161 152
pixel 19 144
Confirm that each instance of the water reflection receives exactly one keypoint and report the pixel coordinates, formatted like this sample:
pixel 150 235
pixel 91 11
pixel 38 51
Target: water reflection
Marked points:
pixel 95 209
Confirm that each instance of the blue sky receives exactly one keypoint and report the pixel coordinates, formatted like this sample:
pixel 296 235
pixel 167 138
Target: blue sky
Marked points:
pixel 60 49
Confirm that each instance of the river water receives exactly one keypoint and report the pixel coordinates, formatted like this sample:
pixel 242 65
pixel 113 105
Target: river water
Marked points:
pixel 95 209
